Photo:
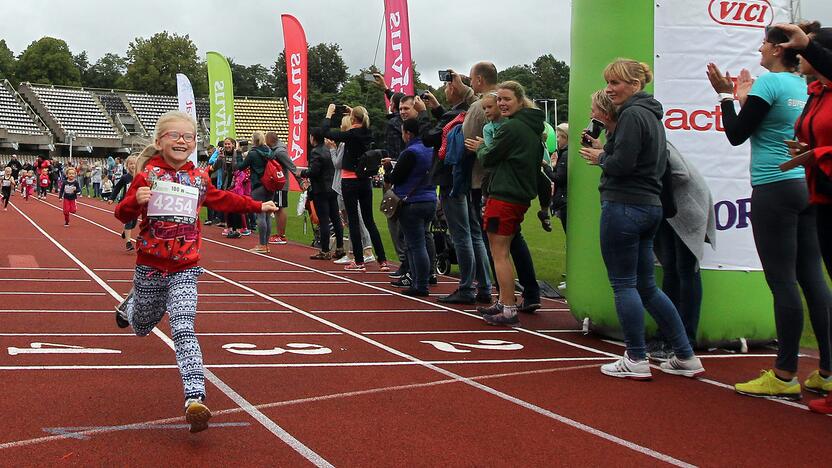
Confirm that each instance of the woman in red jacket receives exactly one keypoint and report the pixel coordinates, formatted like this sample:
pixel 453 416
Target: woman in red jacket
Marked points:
pixel 168 192
pixel 813 131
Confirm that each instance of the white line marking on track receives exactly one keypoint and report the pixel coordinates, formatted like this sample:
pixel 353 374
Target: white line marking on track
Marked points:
pixel 331 396
pixel 50 293
pixel 47 280
pixel 39 268
pixel 285 365
pixel 512 399
pixel 275 429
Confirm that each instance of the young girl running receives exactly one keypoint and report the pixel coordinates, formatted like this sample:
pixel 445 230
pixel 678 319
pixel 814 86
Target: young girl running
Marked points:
pixel 120 190
pixel 27 184
pixel 7 187
pixel 43 183
pixel 69 192
pixel 168 192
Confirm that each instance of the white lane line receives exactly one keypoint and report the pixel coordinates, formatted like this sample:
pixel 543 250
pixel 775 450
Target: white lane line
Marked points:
pixel 130 335
pixel 299 401
pixel 375 311
pixel 39 268
pixel 326 294
pixel 287 365
pixel 64 311
pixel 270 425
pixel 50 293
pixel 47 280
pixel 512 399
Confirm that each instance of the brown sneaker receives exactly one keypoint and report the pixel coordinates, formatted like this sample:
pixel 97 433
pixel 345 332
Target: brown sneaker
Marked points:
pixel 260 249
pixel 321 256
pixel 197 414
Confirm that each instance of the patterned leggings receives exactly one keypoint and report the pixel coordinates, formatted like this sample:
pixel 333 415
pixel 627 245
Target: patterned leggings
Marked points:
pixel 176 293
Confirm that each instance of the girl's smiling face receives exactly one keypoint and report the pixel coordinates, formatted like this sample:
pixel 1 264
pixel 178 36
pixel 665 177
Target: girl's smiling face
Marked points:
pixel 177 142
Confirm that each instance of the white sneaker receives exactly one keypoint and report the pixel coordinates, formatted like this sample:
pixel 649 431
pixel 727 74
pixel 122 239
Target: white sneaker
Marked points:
pixel 369 258
pixel 686 367
pixel 197 414
pixel 345 260
pixel 625 368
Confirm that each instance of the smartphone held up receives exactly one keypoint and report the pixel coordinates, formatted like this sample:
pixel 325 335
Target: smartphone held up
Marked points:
pixel 592 130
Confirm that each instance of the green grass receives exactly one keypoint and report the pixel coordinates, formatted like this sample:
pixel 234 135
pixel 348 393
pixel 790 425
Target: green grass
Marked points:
pixel 548 249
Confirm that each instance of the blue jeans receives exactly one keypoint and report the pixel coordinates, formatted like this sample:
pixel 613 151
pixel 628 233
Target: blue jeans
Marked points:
pixel 264 221
pixel 682 280
pixel 413 220
pixel 466 234
pixel 627 232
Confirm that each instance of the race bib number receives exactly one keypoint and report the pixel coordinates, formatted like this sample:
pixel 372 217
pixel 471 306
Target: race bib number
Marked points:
pixel 172 202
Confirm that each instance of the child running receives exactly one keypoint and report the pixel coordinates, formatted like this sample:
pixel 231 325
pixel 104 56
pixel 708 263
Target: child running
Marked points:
pixel 69 192
pixel 43 183
pixel 27 184
pixel 7 184
pixel 168 192
pixel 120 190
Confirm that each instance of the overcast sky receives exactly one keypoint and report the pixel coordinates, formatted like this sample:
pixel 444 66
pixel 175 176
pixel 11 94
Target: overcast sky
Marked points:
pixel 444 33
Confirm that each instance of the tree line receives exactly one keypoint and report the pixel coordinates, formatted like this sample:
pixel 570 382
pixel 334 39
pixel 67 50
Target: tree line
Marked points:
pixel 150 65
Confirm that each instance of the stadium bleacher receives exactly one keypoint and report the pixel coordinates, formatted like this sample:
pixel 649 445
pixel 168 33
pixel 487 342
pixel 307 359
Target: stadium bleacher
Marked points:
pixel 253 114
pixel 13 115
pixel 75 110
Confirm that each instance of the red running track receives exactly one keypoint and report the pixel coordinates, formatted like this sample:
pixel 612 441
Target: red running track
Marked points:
pixel 308 364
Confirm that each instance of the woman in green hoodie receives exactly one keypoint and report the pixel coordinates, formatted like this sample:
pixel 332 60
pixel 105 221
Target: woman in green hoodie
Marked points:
pixel 513 158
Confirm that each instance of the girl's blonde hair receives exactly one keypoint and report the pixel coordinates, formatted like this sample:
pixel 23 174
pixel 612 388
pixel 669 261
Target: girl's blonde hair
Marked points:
pixel 133 158
pixel 359 114
pixel 164 120
pixel 346 123
pixel 519 92
pixel 629 70
pixel 258 138
pixel 604 104
pixel 70 169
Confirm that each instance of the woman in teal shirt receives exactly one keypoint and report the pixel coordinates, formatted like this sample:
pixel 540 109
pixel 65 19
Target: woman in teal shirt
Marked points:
pixel 783 221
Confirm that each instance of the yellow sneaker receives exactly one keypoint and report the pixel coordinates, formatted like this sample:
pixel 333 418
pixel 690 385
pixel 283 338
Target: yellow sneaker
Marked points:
pixel 767 385
pixel 818 384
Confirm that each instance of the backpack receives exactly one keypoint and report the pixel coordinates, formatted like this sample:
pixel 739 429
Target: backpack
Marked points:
pixel 273 178
pixel 369 163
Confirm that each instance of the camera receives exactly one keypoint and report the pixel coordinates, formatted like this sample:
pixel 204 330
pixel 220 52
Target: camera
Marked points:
pixel 340 109
pixel 422 93
pixel 242 142
pixel 369 77
pixel 593 129
pixel 446 75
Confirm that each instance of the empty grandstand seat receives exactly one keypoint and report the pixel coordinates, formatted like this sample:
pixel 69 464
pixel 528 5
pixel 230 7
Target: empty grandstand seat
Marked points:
pixel 76 110
pixel 13 116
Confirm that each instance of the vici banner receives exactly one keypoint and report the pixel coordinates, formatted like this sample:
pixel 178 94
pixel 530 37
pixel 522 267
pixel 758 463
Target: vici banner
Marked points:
pixel 398 72
pixel 294 40
pixel 688 35
pixel 221 97
pixel 187 103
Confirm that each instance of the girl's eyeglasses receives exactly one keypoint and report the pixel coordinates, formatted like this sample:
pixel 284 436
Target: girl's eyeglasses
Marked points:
pixel 188 136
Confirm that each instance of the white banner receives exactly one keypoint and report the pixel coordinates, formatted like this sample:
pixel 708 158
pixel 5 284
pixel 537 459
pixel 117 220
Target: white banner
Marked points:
pixel 187 103
pixel 688 35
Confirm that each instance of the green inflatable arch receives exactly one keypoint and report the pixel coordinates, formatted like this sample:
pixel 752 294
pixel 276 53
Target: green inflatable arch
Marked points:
pixel 736 304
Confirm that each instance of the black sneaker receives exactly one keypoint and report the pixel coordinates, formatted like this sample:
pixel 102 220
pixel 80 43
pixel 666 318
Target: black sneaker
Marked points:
pixel 121 312
pixel 415 292
pixel 397 274
pixel 403 282
pixel 130 246
pixel 433 280
pixel 123 235
pixel 457 297
pixel 529 308
pixel 493 309
pixel 545 220
pixel 483 298
pixel 234 235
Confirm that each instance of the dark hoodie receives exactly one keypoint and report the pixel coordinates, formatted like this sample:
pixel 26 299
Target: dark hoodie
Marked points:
pixel 356 142
pixel 635 155
pixel 256 159
pixel 514 158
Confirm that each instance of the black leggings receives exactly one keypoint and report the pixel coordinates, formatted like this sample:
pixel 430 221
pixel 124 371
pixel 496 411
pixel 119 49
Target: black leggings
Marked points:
pixel 786 235
pixel 326 205
pixel 359 192
pixel 7 193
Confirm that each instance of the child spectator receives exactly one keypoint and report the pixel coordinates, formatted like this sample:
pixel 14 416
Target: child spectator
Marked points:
pixel 106 188
pixel 169 245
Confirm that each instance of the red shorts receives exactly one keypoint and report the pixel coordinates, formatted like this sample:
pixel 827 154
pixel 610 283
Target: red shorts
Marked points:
pixel 502 218
pixel 69 206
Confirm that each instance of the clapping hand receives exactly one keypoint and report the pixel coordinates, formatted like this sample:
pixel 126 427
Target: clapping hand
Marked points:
pixel 721 84
pixel 744 83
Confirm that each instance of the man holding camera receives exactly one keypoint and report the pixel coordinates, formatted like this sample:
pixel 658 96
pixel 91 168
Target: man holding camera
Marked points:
pixel 455 198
